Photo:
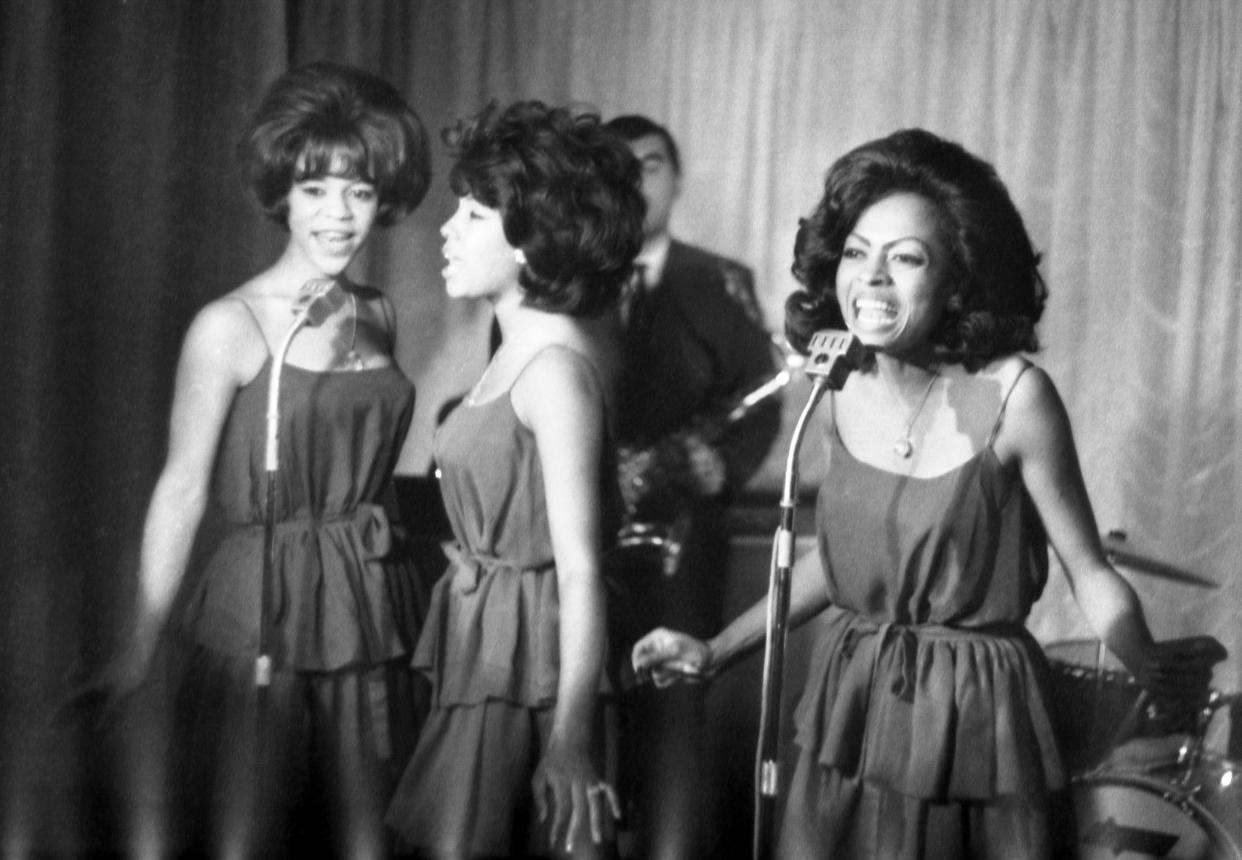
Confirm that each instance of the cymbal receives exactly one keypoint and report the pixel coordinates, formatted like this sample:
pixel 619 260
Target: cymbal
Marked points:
pixel 1119 554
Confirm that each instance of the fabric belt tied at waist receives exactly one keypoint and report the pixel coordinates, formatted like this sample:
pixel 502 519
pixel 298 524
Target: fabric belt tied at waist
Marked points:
pixel 468 566
pixel 367 531
pixel 877 635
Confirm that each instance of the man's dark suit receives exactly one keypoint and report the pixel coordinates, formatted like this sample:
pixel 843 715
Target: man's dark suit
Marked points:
pixel 692 350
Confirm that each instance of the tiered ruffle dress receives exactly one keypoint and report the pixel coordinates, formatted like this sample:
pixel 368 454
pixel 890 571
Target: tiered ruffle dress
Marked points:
pixel 924 729
pixel 341 713
pixel 490 644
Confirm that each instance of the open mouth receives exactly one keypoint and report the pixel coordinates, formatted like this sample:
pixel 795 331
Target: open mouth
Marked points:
pixel 335 241
pixel 874 313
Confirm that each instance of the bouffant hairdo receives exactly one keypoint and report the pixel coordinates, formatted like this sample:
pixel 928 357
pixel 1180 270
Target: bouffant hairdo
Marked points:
pixel 325 119
pixel 998 294
pixel 568 192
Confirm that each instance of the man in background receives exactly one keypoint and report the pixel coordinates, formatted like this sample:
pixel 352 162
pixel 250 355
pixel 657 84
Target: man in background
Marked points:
pixel 694 347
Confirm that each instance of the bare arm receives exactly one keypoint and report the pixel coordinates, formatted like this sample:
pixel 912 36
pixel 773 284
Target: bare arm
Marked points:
pixel 1037 434
pixel 668 655
pixel 560 400
pixel 206 381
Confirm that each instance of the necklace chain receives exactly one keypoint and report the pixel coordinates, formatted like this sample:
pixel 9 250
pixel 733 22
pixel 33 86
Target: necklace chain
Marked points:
pixel 904 447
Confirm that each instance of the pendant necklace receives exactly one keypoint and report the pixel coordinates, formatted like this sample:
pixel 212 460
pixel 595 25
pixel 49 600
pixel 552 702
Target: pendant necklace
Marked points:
pixel 903 447
pixel 353 356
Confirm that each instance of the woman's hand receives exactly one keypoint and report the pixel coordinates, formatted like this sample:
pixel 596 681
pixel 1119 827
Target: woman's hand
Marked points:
pixel 1180 669
pixel 103 694
pixel 564 783
pixel 666 656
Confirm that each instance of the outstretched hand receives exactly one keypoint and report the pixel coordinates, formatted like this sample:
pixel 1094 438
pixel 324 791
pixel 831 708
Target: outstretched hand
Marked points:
pixel 104 693
pixel 568 793
pixel 666 656
pixel 1180 669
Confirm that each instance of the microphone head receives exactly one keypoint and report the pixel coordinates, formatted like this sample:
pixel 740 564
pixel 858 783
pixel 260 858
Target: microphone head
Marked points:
pixel 832 355
pixel 320 299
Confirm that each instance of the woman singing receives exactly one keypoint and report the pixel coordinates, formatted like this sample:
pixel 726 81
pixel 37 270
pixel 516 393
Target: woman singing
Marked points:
pixel 924 730
pixel 508 764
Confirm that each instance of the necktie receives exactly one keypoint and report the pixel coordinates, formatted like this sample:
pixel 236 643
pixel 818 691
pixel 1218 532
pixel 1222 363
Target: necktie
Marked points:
pixel 634 299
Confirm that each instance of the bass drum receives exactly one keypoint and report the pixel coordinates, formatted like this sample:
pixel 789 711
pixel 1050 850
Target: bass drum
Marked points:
pixel 1170 814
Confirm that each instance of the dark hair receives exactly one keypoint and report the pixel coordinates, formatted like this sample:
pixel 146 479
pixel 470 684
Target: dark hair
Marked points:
pixel 998 294
pixel 632 126
pixel 569 197
pixel 326 119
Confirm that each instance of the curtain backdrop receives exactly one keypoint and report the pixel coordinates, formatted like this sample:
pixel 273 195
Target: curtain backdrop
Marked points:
pixel 1115 123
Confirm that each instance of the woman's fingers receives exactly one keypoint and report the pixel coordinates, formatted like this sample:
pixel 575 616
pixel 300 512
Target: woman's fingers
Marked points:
pixel 602 800
pixel 580 799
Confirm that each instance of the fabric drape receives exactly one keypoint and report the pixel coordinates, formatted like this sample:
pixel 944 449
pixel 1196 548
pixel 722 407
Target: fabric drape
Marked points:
pixel 1116 124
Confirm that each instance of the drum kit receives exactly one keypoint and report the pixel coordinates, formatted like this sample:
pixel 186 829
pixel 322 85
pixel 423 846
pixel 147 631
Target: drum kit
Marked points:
pixel 1144 781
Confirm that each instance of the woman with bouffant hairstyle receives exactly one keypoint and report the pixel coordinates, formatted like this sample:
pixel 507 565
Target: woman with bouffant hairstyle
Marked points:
pixel 998 293
pixel 331 153
pixel 324 118
pixel 548 221
pixel 560 206
pixel 925 728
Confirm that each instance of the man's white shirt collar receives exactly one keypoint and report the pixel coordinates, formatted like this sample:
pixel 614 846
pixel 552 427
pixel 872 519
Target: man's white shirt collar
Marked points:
pixel 652 258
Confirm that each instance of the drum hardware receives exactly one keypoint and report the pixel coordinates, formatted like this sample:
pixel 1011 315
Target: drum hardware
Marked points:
pixel 1118 552
pixel 668 540
pixel 1102 716
pixel 1183 806
pixel 1151 815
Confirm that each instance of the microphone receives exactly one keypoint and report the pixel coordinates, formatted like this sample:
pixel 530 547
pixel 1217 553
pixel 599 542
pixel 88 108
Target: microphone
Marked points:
pixel 320 298
pixel 832 355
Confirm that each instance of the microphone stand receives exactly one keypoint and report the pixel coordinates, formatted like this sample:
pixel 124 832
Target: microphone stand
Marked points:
pixel 320 304
pixel 833 355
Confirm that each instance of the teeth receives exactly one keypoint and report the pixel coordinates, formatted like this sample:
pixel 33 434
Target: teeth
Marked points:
pixel 874 312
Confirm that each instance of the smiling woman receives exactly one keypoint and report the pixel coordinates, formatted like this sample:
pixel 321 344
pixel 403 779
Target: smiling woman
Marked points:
pixel 283 758
pixel 925 727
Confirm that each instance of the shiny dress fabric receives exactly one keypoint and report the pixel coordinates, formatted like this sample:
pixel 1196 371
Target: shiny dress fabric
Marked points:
pixel 490 646
pixel 925 728
pixel 341 714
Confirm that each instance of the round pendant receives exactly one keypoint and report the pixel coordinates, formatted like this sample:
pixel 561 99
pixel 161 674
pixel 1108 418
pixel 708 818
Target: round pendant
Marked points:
pixel 355 359
pixel 902 448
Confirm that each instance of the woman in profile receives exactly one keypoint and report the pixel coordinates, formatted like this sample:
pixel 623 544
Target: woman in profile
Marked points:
pixel 332 153
pixel 547 225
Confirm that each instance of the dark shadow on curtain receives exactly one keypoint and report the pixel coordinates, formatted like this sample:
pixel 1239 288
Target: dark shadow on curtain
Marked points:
pixel 122 214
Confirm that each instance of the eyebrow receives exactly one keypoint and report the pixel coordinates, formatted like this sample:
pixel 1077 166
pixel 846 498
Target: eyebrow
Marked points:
pixel 867 242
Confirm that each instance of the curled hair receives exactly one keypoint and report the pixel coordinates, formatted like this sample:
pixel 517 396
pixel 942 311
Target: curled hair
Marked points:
pixel 997 294
pixel 568 193
pixel 325 119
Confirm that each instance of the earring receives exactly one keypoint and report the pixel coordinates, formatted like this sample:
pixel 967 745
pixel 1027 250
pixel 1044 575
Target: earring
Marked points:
pixel 519 256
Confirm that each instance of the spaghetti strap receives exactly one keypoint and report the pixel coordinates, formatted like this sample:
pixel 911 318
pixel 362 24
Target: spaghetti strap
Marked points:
pixel 1000 415
pixel 254 319
pixel 390 324
pixel 578 357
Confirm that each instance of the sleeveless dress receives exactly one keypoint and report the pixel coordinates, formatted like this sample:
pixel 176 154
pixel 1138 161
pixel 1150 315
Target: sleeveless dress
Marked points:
pixel 490 644
pixel 341 712
pixel 924 729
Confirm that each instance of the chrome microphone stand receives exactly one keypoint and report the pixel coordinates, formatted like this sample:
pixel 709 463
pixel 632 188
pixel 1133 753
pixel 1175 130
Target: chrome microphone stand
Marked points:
pixel 323 296
pixel 832 355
